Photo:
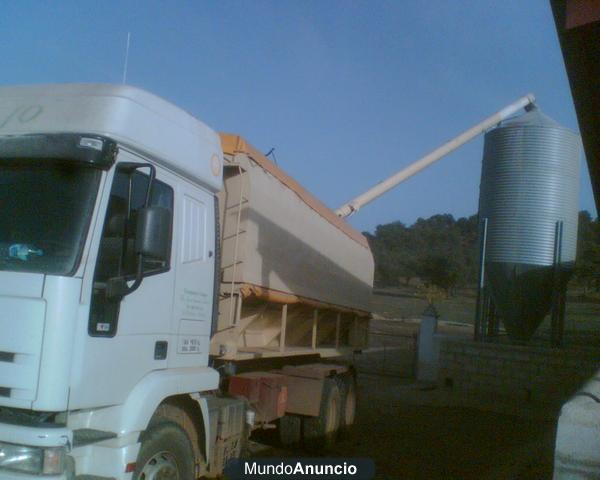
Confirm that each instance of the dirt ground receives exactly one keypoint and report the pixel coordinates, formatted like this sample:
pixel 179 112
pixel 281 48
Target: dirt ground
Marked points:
pixel 415 431
pixel 419 441
pixel 411 437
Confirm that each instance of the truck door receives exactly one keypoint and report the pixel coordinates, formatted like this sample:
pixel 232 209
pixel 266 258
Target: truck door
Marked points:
pixel 128 335
pixel 145 311
pixel 194 283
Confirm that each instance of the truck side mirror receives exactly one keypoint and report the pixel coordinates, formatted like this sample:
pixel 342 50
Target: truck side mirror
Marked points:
pixel 152 241
pixel 153 235
pixel 116 288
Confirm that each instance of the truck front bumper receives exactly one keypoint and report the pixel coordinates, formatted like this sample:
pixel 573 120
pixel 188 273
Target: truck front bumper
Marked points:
pixel 36 438
pixel 8 475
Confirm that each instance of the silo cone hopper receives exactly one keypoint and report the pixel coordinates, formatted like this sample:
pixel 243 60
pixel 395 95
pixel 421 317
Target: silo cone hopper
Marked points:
pixel 523 294
pixel 528 210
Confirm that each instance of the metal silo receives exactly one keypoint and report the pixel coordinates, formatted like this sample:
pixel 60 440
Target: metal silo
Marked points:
pixel 528 208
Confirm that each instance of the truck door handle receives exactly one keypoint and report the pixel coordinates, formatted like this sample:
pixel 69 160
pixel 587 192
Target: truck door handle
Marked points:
pixel 160 350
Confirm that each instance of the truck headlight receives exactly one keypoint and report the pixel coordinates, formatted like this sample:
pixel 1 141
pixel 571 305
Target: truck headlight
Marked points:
pixel 36 460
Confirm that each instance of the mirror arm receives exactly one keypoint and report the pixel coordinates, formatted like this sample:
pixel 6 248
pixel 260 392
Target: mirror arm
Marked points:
pixel 138 276
pixel 150 184
pixel 130 167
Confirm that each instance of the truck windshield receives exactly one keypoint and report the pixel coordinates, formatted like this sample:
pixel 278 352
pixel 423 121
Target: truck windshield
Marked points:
pixel 45 210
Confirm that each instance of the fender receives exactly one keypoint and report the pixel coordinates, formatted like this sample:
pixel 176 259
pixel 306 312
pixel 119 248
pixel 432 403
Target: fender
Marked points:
pixel 133 416
pixel 148 394
pixel 203 404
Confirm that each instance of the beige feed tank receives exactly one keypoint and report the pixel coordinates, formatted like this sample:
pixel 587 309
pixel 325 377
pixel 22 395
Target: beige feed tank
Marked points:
pixel 282 246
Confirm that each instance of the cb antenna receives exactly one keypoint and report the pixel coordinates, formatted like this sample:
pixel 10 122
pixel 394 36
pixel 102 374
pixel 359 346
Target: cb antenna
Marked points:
pixel 126 58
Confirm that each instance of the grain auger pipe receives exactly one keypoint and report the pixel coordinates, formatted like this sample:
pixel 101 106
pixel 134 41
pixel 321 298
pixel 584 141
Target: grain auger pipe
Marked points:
pixel 354 205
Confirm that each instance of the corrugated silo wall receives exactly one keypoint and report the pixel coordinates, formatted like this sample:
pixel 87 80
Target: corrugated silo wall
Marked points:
pixel 529 181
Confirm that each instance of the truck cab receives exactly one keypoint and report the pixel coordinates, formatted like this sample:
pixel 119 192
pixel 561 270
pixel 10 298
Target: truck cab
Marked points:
pixel 107 277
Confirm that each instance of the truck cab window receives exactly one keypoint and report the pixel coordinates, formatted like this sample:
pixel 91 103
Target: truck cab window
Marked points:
pixel 116 256
pixel 45 210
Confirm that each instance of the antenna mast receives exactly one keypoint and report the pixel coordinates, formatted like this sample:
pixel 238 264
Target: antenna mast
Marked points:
pixel 126 58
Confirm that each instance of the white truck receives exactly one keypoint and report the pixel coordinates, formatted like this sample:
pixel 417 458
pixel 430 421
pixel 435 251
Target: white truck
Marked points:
pixel 135 343
pixel 165 290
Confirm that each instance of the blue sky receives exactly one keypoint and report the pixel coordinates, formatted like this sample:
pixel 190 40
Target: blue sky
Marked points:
pixel 348 92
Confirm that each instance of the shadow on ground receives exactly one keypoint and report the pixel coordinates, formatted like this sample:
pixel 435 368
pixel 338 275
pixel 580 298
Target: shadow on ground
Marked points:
pixel 411 441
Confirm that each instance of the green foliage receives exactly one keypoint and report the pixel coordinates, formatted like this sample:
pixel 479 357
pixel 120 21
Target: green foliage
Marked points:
pixel 444 252
pixel 394 253
pixel 438 270
pixel 440 251
pixel 587 267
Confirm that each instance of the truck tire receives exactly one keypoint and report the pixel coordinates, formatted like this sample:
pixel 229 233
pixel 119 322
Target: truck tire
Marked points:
pixel 290 430
pixel 347 386
pixel 319 433
pixel 177 413
pixel 166 453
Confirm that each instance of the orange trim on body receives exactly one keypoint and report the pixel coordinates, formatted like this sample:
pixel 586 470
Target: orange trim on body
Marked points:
pixel 275 296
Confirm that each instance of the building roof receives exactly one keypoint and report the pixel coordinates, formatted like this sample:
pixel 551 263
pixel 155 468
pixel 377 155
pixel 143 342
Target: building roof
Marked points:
pixel 578 28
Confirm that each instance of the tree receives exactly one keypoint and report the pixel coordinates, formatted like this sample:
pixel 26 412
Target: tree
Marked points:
pixel 468 228
pixel 587 266
pixel 444 252
pixel 394 262
pixel 400 251
pixel 440 271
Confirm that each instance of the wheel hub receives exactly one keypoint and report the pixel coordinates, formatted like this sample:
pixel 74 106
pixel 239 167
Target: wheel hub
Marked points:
pixel 161 466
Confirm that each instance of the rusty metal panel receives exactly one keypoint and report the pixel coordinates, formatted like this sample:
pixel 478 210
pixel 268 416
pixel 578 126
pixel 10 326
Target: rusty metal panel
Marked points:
pixel 305 386
pixel 582 12
pixel 304 395
pixel 266 392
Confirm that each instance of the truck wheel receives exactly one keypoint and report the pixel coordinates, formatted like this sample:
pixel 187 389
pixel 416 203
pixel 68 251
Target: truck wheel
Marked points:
pixel 320 432
pixel 347 386
pixel 166 453
pixel 290 430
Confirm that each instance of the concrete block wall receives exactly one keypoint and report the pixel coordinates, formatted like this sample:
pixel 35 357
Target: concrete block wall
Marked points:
pixel 516 372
